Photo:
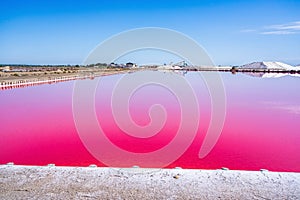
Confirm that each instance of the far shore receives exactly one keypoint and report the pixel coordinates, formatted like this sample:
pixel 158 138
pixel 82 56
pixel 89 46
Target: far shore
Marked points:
pixel 19 77
pixel 51 182
pixel 13 79
pixel 63 72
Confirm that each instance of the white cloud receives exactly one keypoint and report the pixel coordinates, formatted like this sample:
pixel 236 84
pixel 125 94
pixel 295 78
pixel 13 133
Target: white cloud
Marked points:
pixel 283 29
pixel 293 26
pixel 277 29
pixel 277 32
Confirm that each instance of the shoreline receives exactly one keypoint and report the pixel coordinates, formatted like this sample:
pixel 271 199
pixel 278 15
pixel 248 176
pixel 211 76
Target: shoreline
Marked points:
pixel 51 182
pixel 24 79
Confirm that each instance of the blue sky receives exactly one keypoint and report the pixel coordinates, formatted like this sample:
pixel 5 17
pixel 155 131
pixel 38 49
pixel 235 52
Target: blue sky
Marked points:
pixel 232 32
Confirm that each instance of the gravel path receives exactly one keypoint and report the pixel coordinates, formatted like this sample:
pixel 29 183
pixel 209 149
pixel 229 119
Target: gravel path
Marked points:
pixel 29 182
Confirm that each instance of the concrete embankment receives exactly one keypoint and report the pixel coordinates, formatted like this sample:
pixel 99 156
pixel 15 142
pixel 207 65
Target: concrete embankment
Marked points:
pixel 30 182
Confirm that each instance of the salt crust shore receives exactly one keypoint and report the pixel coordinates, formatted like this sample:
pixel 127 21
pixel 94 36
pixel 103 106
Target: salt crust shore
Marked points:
pixel 32 182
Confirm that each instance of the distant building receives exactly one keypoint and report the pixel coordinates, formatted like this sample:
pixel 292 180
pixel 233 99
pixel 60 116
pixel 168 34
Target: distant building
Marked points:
pixel 115 65
pixel 131 65
pixel 5 69
pixel 112 65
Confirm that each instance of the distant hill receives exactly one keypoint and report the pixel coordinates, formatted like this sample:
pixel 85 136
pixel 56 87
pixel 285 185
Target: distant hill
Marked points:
pixel 270 65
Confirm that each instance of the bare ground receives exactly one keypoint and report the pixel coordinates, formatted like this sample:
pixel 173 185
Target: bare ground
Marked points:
pixel 25 182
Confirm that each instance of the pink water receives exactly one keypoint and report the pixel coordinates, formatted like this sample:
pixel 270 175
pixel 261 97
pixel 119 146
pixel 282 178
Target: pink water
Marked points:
pixel 261 128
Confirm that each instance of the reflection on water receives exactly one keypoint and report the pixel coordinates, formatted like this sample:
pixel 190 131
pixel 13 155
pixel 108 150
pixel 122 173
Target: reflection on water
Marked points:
pixel 261 128
pixel 270 75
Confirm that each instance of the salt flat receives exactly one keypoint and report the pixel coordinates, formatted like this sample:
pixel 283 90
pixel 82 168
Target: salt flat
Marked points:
pixel 32 182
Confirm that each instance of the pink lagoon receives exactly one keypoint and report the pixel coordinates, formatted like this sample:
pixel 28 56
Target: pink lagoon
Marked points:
pixel 261 128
